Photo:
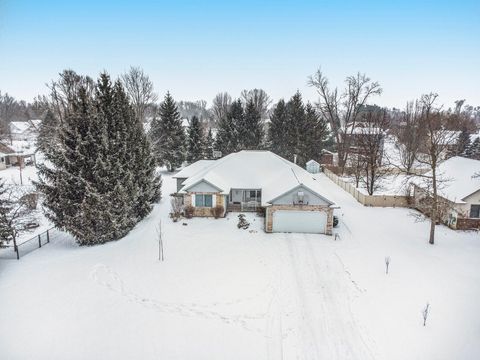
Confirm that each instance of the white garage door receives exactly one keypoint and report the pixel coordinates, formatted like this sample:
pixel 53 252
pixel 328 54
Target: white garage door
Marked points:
pixel 299 221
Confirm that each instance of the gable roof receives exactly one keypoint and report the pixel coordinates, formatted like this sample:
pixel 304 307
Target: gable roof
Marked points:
pixel 192 169
pixel 313 162
pixel 460 181
pixel 252 169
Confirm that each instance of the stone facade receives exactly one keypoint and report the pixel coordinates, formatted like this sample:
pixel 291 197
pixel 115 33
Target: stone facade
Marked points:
pixel 271 209
pixel 205 211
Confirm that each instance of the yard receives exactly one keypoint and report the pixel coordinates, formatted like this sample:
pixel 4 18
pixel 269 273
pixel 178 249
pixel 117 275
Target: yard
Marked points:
pixel 225 293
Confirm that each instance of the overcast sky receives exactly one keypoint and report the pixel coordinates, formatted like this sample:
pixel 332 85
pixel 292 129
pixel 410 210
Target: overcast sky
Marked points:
pixel 196 49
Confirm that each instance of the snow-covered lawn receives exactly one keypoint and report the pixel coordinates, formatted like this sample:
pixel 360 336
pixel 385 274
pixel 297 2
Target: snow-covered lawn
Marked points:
pixel 225 293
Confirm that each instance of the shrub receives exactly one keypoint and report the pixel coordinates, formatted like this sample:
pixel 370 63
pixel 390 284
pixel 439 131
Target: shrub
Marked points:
pixel 177 206
pixel 218 211
pixel 261 211
pixel 242 222
pixel 189 210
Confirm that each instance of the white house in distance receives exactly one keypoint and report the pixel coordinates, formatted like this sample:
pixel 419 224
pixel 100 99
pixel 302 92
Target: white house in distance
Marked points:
pixel 459 190
pixel 24 130
pixel 252 180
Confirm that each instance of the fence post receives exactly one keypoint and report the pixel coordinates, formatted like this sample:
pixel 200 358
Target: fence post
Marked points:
pixel 39 241
pixel 48 236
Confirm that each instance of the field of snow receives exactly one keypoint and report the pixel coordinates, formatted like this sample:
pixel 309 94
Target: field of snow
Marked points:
pixel 225 293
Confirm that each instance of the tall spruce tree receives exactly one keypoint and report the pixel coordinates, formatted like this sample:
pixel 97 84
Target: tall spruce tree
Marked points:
pixel 101 181
pixel 209 145
pixel 250 128
pixel 296 125
pixel 195 141
pixel 47 133
pixel 168 136
pixel 277 132
pixel 227 138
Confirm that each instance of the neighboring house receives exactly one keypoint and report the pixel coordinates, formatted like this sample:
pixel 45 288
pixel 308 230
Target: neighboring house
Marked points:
pixel 24 130
pixel 356 136
pixel 11 157
pixel 255 180
pixel 459 192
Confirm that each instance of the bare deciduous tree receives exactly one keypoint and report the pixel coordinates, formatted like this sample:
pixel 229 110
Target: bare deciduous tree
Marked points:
pixel 140 91
pixel 437 141
pixel 260 99
pixel 221 106
pixel 410 136
pixel 16 212
pixel 342 110
pixel 369 144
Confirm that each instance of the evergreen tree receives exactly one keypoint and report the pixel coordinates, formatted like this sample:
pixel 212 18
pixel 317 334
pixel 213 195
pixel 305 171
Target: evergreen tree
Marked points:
pixel 195 141
pixel 463 141
pixel 227 139
pixel 297 129
pixel 168 136
pixel 277 132
pixel 209 143
pixel 473 150
pixel 47 133
pixel 295 125
pixel 102 180
pixel 250 128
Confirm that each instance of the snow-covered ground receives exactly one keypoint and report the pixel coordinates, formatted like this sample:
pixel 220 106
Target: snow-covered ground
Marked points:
pixel 225 293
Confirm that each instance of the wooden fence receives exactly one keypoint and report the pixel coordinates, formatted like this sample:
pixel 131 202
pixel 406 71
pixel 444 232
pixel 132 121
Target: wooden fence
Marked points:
pixel 369 200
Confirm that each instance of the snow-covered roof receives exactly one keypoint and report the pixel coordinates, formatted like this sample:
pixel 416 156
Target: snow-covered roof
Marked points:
pixel 19 127
pixel 458 178
pixel 36 123
pixel 252 169
pixel 192 169
pixel 312 162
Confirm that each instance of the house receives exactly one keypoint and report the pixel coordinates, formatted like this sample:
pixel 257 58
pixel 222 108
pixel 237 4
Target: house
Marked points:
pixel 360 135
pixel 24 130
pixel 459 192
pixel 313 167
pixel 292 199
pixel 11 157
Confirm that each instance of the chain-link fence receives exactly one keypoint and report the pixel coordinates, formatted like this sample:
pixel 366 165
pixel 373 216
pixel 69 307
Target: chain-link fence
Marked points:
pixel 17 250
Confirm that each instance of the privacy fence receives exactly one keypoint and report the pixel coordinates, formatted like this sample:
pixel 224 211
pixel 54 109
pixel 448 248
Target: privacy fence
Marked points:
pixel 369 200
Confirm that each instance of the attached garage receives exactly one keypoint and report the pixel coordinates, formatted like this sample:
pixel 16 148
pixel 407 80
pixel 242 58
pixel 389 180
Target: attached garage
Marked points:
pixel 296 221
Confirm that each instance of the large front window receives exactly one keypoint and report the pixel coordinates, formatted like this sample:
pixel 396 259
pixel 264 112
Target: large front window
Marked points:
pixel 203 200
pixel 475 211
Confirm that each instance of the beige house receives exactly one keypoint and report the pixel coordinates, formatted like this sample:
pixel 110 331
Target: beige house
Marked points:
pixel 292 199
pixel 459 192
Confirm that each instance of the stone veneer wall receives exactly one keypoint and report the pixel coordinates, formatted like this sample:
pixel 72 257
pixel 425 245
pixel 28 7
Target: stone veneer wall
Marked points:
pixel 205 211
pixel 271 209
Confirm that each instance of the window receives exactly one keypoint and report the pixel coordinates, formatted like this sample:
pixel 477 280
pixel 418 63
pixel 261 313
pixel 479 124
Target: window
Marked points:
pixel 475 211
pixel 203 200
